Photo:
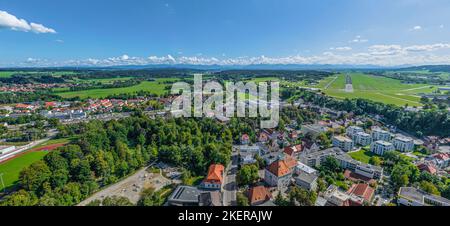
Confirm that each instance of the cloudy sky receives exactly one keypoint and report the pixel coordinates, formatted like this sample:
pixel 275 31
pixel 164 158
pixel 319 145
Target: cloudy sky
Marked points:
pixel 115 32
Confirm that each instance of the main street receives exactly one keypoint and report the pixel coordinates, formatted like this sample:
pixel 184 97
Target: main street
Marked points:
pixel 229 188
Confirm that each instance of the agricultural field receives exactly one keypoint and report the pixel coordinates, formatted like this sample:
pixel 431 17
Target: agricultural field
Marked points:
pixel 381 89
pixel 12 168
pixel 7 74
pixel 102 80
pixel 156 87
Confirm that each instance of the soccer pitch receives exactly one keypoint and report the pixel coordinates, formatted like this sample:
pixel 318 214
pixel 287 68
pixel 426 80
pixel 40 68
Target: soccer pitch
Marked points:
pixel 381 89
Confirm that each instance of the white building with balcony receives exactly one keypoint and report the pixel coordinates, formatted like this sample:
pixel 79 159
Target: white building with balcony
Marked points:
pixel 380 147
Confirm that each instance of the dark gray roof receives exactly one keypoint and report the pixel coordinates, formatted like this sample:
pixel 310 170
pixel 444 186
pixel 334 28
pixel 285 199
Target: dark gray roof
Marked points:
pixel 307 177
pixel 213 198
pixel 419 195
pixel 185 194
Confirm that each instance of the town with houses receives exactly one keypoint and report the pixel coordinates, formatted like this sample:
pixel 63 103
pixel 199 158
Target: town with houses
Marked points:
pixel 297 164
pixel 292 158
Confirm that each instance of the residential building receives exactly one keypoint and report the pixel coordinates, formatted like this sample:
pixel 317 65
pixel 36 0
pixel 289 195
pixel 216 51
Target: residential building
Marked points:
pixel 363 139
pixel 380 147
pixel 214 178
pixel 427 167
pixel 353 130
pixel 245 139
pixel 315 159
pixel 307 181
pixel 258 195
pixel 441 160
pixel 313 129
pixel 303 168
pixel 379 134
pixel 293 151
pixel 263 137
pixel 213 198
pixel 293 135
pixel 336 197
pixel 363 191
pixel 247 154
pixel 344 143
pixel 279 173
pixel 403 144
pixel 409 196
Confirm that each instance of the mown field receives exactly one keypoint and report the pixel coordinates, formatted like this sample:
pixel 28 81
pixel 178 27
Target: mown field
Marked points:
pixel 156 87
pixel 6 74
pixel 381 89
pixel 12 168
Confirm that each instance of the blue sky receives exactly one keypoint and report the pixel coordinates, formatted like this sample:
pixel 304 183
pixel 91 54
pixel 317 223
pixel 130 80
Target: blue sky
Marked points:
pixel 113 32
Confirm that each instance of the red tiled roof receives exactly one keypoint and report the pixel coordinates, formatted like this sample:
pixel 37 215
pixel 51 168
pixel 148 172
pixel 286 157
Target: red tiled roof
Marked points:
pixel 427 167
pixel 50 104
pixel 279 168
pixel 258 194
pixel 245 137
pixel 293 149
pixel 362 190
pixel 442 156
pixel 23 106
pixel 215 174
pixel 263 136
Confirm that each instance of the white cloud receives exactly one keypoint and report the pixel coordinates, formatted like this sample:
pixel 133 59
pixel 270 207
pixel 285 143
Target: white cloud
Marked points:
pixel 417 28
pixel 381 50
pixel 343 48
pixel 432 47
pixel 12 22
pixel 358 39
pixel 125 57
pixel 383 55
pixel 59 40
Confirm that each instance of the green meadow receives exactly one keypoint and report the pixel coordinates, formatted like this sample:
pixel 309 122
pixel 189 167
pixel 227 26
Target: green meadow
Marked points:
pixel 12 168
pixel 156 87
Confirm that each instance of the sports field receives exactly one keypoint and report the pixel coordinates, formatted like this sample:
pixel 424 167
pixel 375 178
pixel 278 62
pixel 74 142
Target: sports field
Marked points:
pixel 12 168
pixel 381 89
pixel 156 87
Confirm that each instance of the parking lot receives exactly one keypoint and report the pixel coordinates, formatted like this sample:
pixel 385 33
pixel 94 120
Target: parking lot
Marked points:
pixel 132 186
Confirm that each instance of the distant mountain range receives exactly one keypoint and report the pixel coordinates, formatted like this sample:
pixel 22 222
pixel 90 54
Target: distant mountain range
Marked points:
pixel 431 68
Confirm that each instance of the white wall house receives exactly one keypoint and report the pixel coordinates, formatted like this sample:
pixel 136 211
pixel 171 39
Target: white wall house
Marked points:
pixel 403 144
pixel 379 134
pixel 363 139
pixel 352 131
pixel 380 147
pixel 343 143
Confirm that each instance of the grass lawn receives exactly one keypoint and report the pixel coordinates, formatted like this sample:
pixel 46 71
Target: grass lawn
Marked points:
pixel 381 89
pixel 362 155
pixel 12 168
pixel 156 87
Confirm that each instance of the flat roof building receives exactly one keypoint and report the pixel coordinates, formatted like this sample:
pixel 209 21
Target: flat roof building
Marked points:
pixel 409 196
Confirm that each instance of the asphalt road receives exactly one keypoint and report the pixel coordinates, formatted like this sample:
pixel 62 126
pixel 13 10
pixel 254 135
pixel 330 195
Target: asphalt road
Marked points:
pixel 230 186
